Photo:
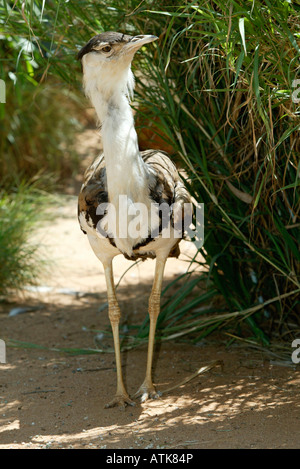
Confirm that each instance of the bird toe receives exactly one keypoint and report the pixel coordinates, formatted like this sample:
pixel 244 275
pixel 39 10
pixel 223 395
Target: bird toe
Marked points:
pixel 150 395
pixel 147 392
pixel 120 401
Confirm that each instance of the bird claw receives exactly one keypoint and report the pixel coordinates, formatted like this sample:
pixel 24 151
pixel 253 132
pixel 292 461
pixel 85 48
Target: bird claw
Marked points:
pixel 120 401
pixel 146 392
pixel 150 395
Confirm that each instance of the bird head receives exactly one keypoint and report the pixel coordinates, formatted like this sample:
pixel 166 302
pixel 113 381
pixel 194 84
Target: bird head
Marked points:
pixel 107 58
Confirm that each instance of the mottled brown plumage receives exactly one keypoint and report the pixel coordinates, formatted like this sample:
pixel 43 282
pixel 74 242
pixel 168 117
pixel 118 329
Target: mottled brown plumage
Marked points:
pixel 168 188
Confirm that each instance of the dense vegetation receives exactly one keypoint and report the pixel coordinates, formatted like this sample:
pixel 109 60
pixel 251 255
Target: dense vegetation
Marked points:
pixel 220 91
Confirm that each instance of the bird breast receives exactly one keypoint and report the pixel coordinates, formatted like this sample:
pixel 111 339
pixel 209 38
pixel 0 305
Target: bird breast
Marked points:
pixel 130 221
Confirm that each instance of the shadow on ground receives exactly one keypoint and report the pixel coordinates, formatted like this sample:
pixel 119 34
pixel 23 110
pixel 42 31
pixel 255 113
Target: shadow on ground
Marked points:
pixel 50 399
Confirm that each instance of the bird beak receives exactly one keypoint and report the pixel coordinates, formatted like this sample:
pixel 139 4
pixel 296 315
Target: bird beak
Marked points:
pixel 139 41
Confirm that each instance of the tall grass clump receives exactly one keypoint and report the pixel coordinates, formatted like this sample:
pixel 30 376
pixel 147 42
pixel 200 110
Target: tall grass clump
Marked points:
pixel 39 121
pixel 20 259
pixel 221 88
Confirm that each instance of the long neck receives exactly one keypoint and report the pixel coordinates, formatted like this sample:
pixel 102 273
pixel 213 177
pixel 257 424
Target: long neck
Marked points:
pixel 126 172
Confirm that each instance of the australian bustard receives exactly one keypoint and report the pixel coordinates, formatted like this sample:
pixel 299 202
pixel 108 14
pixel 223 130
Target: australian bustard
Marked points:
pixel 122 181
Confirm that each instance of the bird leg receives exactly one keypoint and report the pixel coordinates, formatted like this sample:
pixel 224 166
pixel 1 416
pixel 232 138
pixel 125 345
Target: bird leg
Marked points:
pixel 147 389
pixel 121 398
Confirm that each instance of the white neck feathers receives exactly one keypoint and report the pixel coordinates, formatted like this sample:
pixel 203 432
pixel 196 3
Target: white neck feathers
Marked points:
pixel 127 174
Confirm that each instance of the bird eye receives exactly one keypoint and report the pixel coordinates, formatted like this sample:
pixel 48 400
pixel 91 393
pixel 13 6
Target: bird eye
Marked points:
pixel 106 49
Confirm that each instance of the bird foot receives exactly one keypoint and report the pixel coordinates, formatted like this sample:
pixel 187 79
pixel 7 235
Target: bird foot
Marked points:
pixel 121 401
pixel 146 392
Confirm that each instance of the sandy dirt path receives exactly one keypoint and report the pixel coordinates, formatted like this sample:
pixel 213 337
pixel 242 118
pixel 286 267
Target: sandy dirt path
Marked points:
pixel 50 399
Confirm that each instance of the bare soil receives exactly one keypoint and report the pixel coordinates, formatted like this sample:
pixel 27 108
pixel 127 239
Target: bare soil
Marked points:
pixel 51 399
